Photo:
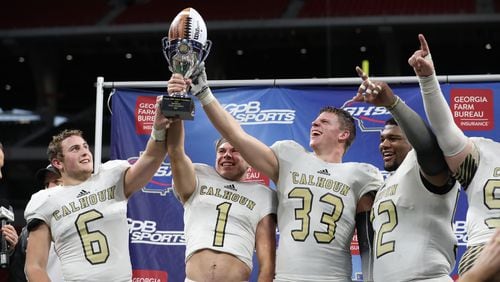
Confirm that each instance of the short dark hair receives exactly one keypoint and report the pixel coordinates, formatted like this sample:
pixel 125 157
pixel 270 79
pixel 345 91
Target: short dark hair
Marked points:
pixel 54 150
pixel 346 122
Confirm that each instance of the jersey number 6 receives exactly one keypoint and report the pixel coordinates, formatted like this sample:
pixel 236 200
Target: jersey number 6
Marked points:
pixel 95 243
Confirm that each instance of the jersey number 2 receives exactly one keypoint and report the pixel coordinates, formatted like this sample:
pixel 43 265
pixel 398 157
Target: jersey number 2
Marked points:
pixel 386 247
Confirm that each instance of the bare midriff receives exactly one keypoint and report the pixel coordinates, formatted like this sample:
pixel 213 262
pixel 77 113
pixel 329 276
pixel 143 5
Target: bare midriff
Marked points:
pixel 209 265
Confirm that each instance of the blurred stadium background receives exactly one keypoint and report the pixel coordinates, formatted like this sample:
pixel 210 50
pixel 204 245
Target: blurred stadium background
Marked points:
pixel 51 52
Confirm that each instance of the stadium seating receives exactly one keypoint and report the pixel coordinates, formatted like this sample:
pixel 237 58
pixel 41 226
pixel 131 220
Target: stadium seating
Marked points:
pixel 53 13
pixel 155 11
pixel 333 8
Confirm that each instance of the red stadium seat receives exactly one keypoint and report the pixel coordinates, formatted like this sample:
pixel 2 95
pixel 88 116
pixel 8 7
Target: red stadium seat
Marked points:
pixel 156 11
pixel 336 8
pixel 53 13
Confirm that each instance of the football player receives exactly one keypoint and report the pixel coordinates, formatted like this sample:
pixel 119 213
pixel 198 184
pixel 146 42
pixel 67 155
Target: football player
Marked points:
pixel 320 198
pixel 474 161
pixel 86 217
pixel 225 219
pixel 415 208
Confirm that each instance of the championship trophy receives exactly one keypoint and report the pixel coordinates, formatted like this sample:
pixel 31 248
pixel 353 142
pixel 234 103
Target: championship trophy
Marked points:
pixel 185 48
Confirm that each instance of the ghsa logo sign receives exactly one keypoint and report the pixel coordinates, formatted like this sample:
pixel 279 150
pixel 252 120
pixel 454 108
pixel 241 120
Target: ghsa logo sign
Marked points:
pixel 161 183
pixel 370 118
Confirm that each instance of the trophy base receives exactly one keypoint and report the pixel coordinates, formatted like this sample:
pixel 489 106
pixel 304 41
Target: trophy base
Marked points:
pixel 177 107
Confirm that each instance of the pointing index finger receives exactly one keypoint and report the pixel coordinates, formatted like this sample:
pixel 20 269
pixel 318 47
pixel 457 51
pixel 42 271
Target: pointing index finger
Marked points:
pixel 361 73
pixel 423 45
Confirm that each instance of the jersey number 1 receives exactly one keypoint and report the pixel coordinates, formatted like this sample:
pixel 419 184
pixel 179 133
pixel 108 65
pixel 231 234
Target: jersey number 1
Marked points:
pixel 220 226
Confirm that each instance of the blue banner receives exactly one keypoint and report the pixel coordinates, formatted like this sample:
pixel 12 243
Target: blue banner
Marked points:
pixel 157 243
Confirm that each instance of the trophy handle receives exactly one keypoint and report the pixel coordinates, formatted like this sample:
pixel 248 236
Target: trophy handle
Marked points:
pixel 166 46
pixel 206 50
pixel 183 47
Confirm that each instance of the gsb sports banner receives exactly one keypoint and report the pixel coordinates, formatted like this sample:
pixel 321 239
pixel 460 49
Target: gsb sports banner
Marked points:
pixel 157 242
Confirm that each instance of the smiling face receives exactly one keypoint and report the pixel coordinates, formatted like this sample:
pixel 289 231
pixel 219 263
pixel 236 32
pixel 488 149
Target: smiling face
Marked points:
pixel 76 161
pixel 326 131
pixel 229 163
pixel 332 131
pixel 323 129
pixel 393 146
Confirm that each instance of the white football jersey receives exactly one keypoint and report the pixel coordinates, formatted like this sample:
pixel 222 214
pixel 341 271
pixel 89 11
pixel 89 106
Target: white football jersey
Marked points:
pixel 88 224
pixel 223 215
pixel 54 265
pixel 483 193
pixel 414 238
pixel 316 213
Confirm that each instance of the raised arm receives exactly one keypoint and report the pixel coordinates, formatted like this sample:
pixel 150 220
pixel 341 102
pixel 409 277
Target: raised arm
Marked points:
pixel 265 246
pixel 256 153
pixel 141 172
pixel 37 253
pixel 182 166
pixel 455 145
pixel 430 157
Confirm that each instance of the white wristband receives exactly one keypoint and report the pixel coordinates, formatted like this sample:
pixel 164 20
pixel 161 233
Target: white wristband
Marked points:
pixel 158 135
pixel 206 97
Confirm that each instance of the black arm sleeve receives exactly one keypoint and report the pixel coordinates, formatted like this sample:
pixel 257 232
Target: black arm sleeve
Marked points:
pixel 34 223
pixel 429 155
pixel 365 239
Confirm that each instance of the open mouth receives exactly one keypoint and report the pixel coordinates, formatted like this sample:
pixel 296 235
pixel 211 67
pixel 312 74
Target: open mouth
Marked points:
pixel 315 133
pixel 387 156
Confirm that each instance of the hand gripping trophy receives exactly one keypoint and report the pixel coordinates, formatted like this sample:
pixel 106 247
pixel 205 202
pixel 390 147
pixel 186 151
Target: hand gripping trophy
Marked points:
pixel 185 48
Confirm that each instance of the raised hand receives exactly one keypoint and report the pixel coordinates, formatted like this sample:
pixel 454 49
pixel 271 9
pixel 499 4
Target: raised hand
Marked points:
pixel 377 93
pixel 176 84
pixel 198 82
pixel 161 123
pixel 421 60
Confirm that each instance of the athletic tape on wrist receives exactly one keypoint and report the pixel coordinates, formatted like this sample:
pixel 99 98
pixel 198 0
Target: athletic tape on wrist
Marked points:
pixel 158 135
pixel 429 84
pixel 206 97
